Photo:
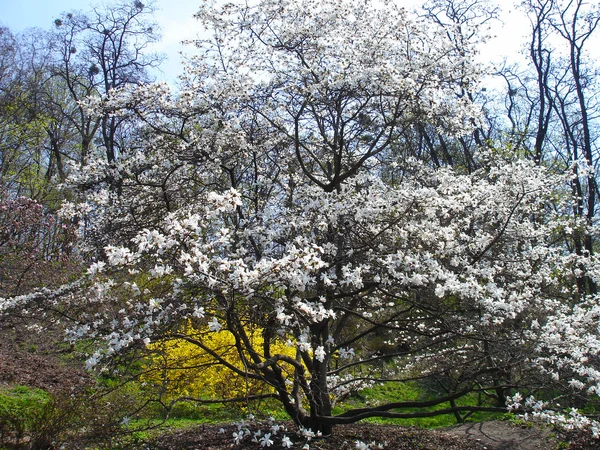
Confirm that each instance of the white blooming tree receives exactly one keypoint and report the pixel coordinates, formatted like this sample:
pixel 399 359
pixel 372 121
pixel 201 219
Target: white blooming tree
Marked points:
pixel 272 195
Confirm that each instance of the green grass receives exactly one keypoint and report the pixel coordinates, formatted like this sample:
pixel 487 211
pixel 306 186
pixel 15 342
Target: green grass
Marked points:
pixel 185 414
pixel 140 431
pixel 22 409
pixel 206 413
pixel 413 391
pixel 188 414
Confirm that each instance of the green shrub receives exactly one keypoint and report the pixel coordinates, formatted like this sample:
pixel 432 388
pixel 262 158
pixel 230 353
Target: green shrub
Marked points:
pixel 35 419
pixel 21 409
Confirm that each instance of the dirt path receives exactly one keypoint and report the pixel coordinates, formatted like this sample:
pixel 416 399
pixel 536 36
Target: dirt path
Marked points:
pixel 501 435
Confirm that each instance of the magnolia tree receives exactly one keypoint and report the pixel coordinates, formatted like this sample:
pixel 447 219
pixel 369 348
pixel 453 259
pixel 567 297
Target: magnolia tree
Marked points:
pixel 272 196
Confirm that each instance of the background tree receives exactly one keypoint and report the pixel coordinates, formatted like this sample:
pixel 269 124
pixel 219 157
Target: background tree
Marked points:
pixel 23 136
pixel 101 51
pixel 552 110
pixel 48 74
pixel 465 24
pixel 44 128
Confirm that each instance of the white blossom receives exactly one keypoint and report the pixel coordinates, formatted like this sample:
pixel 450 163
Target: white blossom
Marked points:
pixel 286 442
pixel 266 440
pixel 320 353
pixel 214 325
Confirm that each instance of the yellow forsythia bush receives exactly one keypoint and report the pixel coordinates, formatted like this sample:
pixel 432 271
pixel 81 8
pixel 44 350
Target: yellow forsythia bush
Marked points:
pixel 185 369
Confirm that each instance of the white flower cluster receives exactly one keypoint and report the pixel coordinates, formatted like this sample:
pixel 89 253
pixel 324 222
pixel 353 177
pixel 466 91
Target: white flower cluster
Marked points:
pixel 360 445
pixel 535 410
pixel 261 436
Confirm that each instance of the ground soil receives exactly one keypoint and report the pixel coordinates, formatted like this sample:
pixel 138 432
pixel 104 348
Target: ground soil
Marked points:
pixel 494 435
pixel 504 435
pixel 25 363
pixel 346 437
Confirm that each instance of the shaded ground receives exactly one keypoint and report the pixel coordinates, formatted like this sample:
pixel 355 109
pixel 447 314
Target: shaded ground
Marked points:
pixel 499 435
pixel 494 435
pixel 345 438
pixel 19 366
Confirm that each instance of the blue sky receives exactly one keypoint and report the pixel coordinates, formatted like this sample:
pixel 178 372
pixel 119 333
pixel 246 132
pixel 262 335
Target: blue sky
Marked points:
pixel 21 14
pixel 175 18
